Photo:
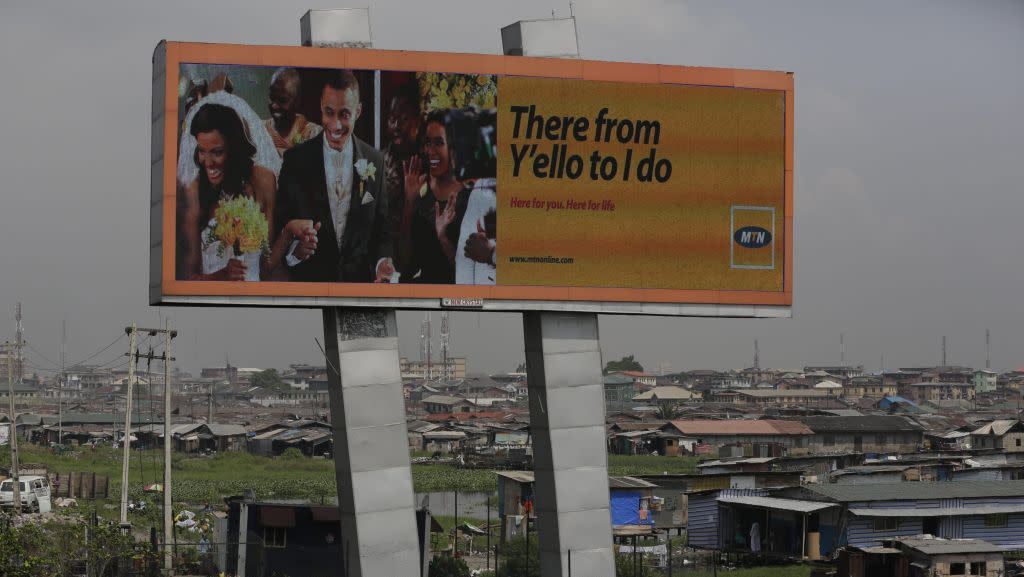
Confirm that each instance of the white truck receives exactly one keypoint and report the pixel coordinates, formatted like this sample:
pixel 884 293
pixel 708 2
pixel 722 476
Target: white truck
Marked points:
pixel 35 493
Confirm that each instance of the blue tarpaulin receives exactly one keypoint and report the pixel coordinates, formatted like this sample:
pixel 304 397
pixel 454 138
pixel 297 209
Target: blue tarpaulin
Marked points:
pixel 626 509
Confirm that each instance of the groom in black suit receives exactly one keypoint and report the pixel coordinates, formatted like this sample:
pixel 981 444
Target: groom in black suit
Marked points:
pixel 336 181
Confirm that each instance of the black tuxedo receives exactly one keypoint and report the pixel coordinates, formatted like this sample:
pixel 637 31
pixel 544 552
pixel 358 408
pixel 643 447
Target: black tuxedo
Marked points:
pixel 302 194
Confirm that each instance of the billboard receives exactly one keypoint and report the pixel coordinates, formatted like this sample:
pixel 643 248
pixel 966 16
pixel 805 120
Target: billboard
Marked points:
pixel 319 177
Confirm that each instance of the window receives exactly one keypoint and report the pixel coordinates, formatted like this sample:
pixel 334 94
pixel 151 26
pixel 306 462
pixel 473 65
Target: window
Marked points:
pixel 997 520
pixel 978 568
pixel 799 442
pixel 887 523
pixel 957 569
pixel 880 440
pixel 275 537
pixel 829 441
pixel 1018 441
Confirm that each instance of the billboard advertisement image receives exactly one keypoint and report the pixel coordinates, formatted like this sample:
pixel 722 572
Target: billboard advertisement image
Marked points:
pixel 314 176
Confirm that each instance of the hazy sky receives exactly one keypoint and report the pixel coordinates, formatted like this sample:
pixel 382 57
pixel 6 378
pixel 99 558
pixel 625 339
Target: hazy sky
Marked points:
pixel 908 190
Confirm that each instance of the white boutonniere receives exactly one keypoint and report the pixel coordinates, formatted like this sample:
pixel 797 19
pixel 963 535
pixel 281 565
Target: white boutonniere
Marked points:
pixel 366 172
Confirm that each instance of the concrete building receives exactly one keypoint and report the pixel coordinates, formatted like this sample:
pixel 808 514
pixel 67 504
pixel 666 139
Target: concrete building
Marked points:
pixel 9 359
pixel 419 369
pixel 869 386
pixel 773 396
pixel 985 381
pixel 841 372
pixel 937 391
pixel 618 391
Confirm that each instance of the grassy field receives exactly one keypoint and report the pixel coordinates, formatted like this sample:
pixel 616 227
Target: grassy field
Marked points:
pixel 781 571
pixel 626 465
pixel 209 479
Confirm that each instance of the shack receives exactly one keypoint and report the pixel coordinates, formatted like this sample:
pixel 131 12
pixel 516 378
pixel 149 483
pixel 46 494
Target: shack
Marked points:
pixel 923 555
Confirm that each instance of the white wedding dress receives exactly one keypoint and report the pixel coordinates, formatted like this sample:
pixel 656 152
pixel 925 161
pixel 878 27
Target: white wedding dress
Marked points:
pixel 213 262
pixel 187 171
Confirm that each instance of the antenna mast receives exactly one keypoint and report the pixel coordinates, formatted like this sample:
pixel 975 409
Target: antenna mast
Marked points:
pixel 446 372
pixel 988 357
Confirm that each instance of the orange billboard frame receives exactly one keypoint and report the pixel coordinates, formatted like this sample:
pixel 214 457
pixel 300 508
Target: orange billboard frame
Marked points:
pixel 166 289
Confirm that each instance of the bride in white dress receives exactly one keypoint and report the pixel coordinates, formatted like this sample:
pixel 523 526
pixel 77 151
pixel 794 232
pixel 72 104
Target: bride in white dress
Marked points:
pixel 226 153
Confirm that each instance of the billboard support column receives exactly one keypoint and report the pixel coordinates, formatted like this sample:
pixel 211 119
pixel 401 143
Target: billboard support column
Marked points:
pixel 371 448
pixel 371 452
pixel 563 364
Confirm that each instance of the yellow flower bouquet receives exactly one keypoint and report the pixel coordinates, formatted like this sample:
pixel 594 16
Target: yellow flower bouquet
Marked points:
pixel 241 225
pixel 439 90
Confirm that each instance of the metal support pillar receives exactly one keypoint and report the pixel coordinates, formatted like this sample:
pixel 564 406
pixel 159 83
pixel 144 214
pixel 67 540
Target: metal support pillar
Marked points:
pixel 563 363
pixel 371 453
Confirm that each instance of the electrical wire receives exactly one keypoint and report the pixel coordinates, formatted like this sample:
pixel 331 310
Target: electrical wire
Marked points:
pixel 99 352
pixel 41 355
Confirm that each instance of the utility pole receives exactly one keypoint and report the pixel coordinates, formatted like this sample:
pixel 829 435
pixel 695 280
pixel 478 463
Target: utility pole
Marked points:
pixel 132 353
pixel 13 427
pixel 943 350
pixel 60 382
pixel 168 509
pixel 842 351
pixel 757 357
pixel 209 405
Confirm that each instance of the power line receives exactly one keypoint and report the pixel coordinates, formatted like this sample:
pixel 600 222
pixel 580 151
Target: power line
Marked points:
pixel 99 352
pixel 41 355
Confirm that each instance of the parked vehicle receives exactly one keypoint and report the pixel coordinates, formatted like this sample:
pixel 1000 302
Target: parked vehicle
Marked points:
pixel 35 493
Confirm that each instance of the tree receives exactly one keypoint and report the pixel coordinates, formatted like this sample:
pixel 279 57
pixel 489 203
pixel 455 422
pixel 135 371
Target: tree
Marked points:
pixel 521 368
pixel 667 410
pixel 448 566
pixel 623 364
pixel 269 379
pixel 520 559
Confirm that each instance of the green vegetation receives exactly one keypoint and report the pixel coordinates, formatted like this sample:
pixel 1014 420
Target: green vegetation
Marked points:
pixel 199 480
pixel 269 379
pixel 432 478
pixel 629 465
pixel 779 571
pixel 448 566
pixel 59 548
pixel 623 364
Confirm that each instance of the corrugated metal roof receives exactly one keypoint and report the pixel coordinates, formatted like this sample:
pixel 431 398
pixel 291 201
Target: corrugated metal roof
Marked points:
pixel 919 490
pixel 935 511
pixel 641 433
pixel 862 424
pixel 268 434
pixel 936 546
pixel 613 482
pixel 669 393
pixel 1000 427
pixel 221 430
pixel 517 476
pixel 743 461
pixel 770 393
pixel 776 503
pixel 445 400
pixel 741 427
pixel 629 483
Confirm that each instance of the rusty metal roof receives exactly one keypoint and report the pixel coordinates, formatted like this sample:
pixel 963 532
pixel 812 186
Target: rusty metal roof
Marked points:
pixel 740 427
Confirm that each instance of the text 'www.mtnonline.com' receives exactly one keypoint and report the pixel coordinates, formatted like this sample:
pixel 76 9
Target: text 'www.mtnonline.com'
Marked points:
pixel 542 259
